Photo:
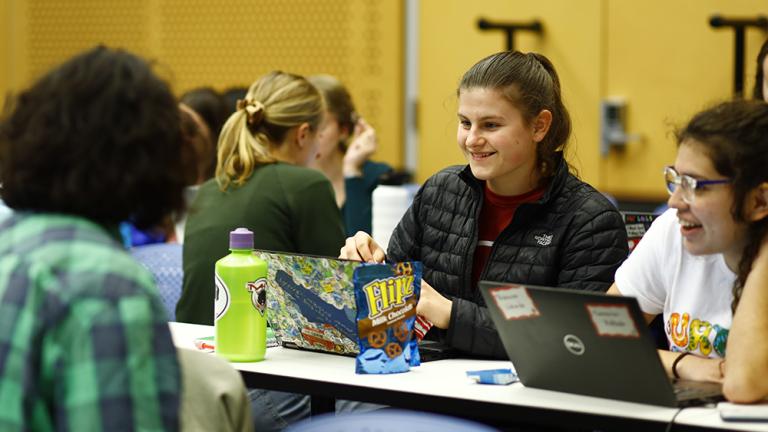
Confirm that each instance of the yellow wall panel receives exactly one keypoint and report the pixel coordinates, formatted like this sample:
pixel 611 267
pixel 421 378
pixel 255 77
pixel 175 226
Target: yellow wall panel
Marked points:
pixel 360 42
pixel 451 43
pixel 207 43
pixel 666 61
pixel 661 57
pixel 59 29
pixel 223 44
pixel 5 45
pixel 376 77
pixel 14 60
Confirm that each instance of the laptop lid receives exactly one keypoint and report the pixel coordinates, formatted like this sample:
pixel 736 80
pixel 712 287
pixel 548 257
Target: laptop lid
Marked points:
pixel 637 224
pixel 311 302
pixel 311 305
pixel 578 342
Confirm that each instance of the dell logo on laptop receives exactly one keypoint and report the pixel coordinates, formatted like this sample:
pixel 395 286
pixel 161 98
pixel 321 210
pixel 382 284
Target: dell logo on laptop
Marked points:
pixel 573 344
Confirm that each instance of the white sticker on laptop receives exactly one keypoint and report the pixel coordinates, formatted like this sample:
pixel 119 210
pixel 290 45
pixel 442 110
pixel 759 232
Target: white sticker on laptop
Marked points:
pixel 514 302
pixel 612 320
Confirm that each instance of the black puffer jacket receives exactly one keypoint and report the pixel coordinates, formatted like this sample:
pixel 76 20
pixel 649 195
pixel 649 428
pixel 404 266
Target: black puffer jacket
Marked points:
pixel 571 238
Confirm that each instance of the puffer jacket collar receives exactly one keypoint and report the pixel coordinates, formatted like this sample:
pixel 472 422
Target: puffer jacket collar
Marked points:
pixel 554 186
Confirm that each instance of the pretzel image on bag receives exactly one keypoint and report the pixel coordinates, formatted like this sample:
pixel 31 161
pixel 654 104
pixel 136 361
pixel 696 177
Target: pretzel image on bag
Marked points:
pixel 386 296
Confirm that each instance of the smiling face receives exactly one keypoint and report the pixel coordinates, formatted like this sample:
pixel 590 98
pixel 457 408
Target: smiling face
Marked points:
pixel 707 225
pixel 497 141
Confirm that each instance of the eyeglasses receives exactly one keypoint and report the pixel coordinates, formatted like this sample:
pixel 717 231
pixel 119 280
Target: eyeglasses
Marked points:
pixel 688 184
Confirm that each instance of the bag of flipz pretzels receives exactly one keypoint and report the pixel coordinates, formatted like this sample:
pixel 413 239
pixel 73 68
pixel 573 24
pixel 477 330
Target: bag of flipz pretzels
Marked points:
pixel 386 297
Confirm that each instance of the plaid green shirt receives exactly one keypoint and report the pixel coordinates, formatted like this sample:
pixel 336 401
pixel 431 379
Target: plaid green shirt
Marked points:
pixel 84 344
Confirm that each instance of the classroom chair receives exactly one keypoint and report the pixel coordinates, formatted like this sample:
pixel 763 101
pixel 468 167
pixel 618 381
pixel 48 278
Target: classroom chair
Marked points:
pixel 388 420
pixel 213 395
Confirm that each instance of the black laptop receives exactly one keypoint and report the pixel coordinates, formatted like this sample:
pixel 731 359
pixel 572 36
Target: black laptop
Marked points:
pixel 585 343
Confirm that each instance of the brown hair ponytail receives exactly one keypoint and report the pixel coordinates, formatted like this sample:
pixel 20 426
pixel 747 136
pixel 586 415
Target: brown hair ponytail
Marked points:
pixel 529 81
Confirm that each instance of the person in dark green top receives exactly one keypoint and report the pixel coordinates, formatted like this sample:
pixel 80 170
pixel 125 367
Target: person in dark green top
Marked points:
pixel 84 342
pixel 261 184
pixel 345 145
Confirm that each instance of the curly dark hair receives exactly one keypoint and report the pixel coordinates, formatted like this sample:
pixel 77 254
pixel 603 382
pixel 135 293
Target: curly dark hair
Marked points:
pixel 734 135
pixel 98 137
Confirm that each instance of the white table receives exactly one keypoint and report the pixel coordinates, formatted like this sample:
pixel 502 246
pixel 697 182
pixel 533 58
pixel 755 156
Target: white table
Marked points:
pixel 442 386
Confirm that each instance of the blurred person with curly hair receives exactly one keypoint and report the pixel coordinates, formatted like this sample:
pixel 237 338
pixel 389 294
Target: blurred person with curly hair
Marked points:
pixel 83 342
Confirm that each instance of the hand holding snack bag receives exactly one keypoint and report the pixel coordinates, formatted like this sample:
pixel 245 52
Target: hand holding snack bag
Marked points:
pixel 386 297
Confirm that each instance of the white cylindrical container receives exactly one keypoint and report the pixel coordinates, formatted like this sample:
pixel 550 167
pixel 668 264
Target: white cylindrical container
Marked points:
pixel 389 206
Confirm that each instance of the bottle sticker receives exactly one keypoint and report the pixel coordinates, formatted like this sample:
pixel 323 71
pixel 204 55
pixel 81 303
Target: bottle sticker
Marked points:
pixel 221 301
pixel 258 290
pixel 514 302
pixel 612 320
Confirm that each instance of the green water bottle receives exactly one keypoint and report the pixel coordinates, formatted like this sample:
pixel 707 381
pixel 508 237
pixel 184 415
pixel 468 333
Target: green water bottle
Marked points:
pixel 240 317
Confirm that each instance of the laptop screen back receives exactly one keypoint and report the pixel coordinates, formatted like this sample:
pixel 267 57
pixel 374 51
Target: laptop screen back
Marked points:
pixel 578 342
pixel 311 301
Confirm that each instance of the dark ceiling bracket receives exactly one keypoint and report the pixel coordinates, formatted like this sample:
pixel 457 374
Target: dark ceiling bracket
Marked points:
pixel 738 25
pixel 510 29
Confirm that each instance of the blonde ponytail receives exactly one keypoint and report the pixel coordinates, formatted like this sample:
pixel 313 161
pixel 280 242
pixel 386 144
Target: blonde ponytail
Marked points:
pixel 239 151
pixel 274 104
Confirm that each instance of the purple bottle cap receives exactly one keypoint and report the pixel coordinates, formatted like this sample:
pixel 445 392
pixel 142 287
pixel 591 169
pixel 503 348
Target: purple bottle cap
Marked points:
pixel 241 238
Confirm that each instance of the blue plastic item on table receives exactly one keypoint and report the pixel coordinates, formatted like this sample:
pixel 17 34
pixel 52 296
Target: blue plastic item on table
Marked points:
pixel 494 376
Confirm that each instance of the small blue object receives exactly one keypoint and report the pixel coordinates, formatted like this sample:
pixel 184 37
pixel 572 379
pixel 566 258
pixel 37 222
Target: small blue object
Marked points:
pixel 493 376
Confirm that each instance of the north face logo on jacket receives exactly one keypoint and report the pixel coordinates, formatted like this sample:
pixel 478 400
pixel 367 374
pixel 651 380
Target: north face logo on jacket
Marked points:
pixel 544 239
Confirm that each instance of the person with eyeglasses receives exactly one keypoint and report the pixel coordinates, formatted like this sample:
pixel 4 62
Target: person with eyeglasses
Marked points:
pixel 707 252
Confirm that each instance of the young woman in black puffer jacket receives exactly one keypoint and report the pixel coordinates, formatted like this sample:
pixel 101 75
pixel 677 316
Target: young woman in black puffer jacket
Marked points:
pixel 514 214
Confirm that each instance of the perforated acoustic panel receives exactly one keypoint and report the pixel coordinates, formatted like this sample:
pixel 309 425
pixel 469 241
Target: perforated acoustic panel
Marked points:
pixel 59 29
pixel 239 42
pixel 233 42
pixel 234 45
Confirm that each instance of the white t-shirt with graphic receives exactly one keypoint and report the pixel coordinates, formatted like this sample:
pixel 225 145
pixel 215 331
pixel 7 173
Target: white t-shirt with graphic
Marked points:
pixel 693 292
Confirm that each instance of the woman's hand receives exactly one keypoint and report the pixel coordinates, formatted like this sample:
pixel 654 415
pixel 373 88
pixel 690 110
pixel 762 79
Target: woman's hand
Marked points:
pixel 433 306
pixel 362 247
pixel 361 147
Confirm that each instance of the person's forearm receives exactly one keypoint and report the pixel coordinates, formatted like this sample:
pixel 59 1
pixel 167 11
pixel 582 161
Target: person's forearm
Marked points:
pixel 440 312
pixel 747 350
pixel 692 367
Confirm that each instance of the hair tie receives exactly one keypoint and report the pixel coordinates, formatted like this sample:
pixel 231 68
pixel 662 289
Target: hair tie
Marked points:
pixel 253 109
pixel 677 360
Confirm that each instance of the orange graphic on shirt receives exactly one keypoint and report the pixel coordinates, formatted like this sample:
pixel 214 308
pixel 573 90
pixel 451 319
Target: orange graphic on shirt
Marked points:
pixel 678 330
